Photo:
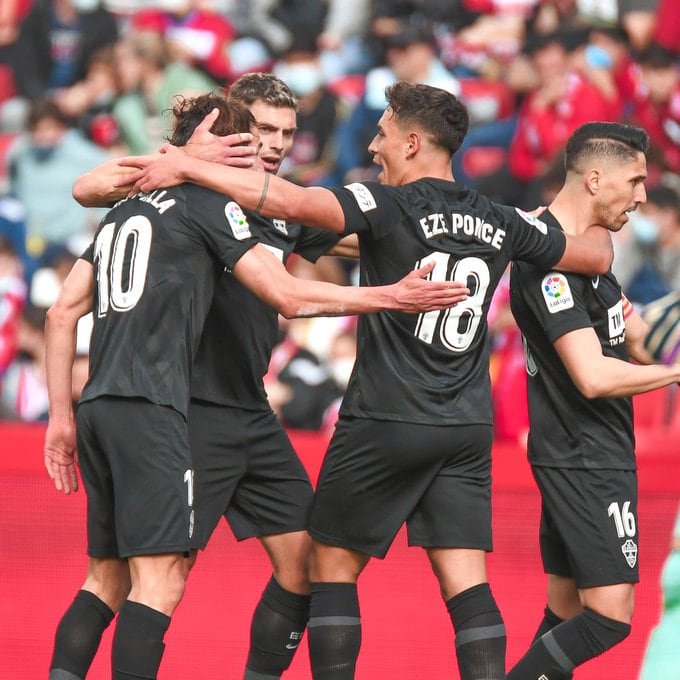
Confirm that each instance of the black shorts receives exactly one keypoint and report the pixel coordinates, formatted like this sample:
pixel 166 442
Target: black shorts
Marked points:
pixel 247 470
pixel 379 474
pixel 136 466
pixel 589 525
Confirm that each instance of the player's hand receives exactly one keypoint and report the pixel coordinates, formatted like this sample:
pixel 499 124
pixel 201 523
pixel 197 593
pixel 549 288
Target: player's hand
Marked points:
pixel 60 455
pixel 416 293
pixel 237 150
pixel 156 171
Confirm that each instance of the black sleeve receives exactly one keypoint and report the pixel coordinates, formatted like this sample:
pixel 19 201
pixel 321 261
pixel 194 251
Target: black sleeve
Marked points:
pixel 533 240
pixel 313 243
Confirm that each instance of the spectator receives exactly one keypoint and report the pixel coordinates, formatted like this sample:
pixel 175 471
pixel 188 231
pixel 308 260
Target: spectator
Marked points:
pixel 43 164
pixel 560 102
pixel 23 389
pixel 12 300
pixel 648 258
pixel 411 55
pixel 56 42
pixel 311 158
pixel 149 79
pixel 196 35
pixel 89 103
pixel 299 385
pixel 657 106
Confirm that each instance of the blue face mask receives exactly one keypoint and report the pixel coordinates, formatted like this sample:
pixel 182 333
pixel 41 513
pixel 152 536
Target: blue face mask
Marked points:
pixel 303 79
pixel 645 230
pixel 42 154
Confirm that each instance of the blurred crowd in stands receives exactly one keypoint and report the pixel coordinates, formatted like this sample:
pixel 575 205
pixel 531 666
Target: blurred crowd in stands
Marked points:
pixel 85 80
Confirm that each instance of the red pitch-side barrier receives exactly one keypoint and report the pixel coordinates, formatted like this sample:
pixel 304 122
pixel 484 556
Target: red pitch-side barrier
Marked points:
pixel 406 631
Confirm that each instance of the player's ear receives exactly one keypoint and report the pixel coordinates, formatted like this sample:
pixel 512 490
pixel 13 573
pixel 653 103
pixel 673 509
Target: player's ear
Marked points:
pixel 592 180
pixel 412 144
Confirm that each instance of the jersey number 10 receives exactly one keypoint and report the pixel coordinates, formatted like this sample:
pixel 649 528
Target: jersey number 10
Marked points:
pixel 119 287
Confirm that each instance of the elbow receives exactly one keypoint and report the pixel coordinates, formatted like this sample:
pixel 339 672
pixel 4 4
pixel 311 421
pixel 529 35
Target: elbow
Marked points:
pixel 286 306
pixel 590 387
pixel 79 192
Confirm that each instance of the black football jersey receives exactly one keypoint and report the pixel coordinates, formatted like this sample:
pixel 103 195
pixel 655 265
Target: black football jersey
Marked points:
pixel 568 430
pixel 156 258
pixel 241 331
pixel 434 367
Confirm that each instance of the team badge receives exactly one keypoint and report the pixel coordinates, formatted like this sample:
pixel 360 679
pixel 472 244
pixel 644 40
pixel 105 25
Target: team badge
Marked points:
pixel 237 221
pixel 280 225
pixel 556 292
pixel 533 221
pixel 630 551
pixel 363 196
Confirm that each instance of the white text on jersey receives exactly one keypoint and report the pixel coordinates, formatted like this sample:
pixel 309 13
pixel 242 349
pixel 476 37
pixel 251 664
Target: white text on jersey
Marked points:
pixel 435 225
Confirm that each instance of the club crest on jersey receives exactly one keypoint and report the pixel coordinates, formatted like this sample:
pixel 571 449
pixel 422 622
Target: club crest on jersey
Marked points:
pixel 556 292
pixel 237 221
pixel 533 221
pixel 363 196
pixel 630 551
pixel 280 225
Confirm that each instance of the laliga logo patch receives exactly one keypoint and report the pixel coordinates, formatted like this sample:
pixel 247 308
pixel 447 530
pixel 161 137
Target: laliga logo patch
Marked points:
pixel 556 292
pixel 630 551
pixel 363 196
pixel 237 221
pixel 533 221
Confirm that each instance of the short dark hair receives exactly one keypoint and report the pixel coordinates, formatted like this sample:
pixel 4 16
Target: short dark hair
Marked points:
pixel 437 112
pixel 656 56
pixel 604 140
pixel 188 113
pixel 45 109
pixel 251 87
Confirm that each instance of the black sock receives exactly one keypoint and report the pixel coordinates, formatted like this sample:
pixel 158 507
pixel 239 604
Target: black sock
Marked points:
pixel 569 645
pixel 480 634
pixel 78 635
pixel 334 630
pixel 276 631
pixel 550 620
pixel 138 642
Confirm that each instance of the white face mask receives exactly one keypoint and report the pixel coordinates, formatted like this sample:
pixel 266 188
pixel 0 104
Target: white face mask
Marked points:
pixel 303 79
pixel 177 6
pixel 341 370
pixel 85 6
pixel 645 230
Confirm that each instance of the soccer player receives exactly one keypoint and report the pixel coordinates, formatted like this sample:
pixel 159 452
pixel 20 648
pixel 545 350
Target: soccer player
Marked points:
pixel 413 442
pixel 156 259
pixel 580 333
pixel 245 467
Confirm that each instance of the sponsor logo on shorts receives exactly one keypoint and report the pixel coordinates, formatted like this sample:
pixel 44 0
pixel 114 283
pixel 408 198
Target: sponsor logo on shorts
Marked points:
pixel 595 281
pixel 363 195
pixel 191 524
pixel 556 292
pixel 237 221
pixel 630 551
pixel 534 222
pixel 543 676
pixel 280 225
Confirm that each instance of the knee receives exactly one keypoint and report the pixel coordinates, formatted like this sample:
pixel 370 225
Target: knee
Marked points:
pixel 159 583
pixel 109 580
